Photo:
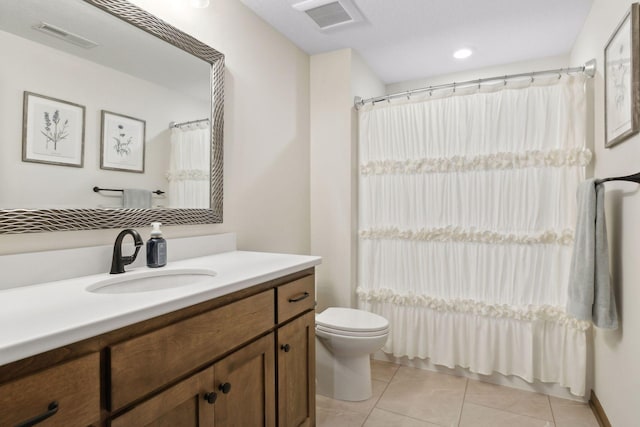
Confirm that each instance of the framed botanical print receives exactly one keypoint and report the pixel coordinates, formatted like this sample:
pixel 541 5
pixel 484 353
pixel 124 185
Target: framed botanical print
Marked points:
pixel 622 80
pixel 122 143
pixel 52 131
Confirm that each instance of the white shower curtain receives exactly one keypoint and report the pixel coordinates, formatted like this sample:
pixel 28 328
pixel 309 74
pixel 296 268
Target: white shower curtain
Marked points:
pixel 466 218
pixel 189 166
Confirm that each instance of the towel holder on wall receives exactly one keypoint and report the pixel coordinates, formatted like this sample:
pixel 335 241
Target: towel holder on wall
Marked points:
pixel 631 178
pixel 97 189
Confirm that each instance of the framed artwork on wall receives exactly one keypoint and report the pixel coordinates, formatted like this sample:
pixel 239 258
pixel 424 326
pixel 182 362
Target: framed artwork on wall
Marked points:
pixel 122 143
pixel 52 131
pixel 622 80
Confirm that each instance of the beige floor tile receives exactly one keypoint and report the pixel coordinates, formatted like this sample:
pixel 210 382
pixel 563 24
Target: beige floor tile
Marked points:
pixel 425 395
pixel 383 371
pixel 509 399
pixel 326 417
pixel 480 416
pixel 380 418
pixel 363 407
pixel 568 413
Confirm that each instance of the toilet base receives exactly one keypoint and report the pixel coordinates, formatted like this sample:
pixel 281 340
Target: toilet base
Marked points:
pixel 342 378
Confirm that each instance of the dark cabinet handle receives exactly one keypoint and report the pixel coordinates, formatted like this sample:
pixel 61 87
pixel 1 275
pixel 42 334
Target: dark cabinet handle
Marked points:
pixel 300 298
pixel 51 411
pixel 211 397
pixel 285 348
pixel 225 388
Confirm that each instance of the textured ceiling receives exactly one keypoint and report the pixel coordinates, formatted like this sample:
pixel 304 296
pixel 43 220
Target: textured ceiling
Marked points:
pixel 410 39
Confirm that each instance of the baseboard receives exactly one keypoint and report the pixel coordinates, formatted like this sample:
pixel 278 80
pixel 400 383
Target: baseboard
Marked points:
pixel 598 411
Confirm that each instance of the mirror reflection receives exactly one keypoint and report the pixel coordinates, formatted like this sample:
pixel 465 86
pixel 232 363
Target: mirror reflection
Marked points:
pixel 87 102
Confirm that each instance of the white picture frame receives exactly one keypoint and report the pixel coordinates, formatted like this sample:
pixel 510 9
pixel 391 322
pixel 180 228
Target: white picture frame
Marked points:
pixel 122 142
pixel 52 131
pixel 622 80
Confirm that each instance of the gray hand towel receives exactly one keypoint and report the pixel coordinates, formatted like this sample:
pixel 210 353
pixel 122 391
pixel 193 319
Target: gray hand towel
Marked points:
pixel 590 292
pixel 136 199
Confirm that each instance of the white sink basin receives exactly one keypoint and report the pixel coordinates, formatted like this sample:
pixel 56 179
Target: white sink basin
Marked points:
pixel 151 280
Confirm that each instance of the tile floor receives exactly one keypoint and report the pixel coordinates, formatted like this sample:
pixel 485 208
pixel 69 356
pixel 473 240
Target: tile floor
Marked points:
pixel 408 397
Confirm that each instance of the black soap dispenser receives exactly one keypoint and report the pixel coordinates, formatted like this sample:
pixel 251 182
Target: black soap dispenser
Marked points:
pixel 156 248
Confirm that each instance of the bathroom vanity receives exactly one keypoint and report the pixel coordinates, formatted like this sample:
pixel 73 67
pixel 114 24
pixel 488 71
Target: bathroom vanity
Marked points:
pixel 244 354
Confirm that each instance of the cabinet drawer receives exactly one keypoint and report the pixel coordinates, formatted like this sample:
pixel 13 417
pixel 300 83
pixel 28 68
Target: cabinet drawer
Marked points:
pixel 145 363
pixel 74 386
pixel 295 297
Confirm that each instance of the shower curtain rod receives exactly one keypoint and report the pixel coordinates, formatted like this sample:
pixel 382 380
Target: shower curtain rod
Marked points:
pixel 177 125
pixel 589 69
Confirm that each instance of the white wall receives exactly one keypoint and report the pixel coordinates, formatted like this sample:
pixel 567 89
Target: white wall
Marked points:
pixel 616 353
pixel 336 77
pixel 266 141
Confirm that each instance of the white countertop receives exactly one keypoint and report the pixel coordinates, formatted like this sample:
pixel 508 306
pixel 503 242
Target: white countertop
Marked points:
pixel 42 317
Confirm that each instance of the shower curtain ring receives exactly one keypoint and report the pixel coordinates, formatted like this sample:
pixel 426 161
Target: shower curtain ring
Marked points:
pixel 505 80
pixel 532 79
pixel 479 83
pixel 454 87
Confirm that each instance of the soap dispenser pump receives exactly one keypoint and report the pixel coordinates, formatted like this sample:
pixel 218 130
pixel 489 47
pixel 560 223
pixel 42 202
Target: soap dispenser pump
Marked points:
pixel 156 248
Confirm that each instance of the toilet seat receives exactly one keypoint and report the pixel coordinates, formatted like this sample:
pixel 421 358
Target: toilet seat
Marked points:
pixel 363 334
pixel 351 322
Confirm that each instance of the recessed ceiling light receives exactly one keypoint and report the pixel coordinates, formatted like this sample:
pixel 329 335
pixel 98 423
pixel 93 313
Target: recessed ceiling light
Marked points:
pixel 462 53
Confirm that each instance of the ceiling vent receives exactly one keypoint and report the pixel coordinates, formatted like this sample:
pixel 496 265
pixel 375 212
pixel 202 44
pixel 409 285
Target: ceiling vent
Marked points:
pixel 328 14
pixel 65 35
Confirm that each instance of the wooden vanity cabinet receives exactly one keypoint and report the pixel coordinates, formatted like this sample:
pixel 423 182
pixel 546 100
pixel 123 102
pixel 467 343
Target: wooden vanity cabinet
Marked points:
pixel 244 359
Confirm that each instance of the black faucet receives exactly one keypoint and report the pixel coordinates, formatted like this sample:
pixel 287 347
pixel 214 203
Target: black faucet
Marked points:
pixel 118 262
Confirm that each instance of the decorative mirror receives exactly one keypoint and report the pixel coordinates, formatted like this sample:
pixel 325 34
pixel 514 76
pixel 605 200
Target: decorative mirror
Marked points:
pixel 99 100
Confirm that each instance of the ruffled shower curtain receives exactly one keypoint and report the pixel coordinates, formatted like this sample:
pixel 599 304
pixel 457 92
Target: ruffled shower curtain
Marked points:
pixel 189 166
pixel 466 219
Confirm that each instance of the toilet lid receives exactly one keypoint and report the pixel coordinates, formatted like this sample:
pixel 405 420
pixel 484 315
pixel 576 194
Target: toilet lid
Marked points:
pixel 351 320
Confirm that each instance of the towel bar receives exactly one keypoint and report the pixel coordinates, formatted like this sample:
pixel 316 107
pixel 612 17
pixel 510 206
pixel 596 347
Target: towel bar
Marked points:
pixel 97 189
pixel 631 178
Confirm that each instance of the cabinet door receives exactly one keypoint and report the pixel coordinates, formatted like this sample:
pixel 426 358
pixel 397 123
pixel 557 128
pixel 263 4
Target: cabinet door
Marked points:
pixel 245 383
pixel 296 372
pixel 190 403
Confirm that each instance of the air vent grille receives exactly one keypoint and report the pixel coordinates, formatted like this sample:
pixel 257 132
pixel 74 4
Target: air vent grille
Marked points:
pixel 59 33
pixel 329 15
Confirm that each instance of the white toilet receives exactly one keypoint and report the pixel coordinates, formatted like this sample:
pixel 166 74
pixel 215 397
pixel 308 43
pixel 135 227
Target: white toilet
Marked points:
pixel 345 339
